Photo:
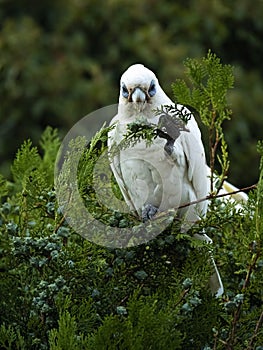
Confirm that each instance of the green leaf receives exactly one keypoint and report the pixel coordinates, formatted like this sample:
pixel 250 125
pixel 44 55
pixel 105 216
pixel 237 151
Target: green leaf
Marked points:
pixel 26 162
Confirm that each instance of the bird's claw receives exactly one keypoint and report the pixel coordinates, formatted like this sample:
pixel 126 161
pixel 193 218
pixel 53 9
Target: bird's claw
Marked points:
pixel 148 212
pixel 169 146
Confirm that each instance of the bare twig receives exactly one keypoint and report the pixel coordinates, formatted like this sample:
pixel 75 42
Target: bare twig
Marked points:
pixel 231 339
pixel 182 296
pixel 254 336
pixel 211 196
pixel 212 146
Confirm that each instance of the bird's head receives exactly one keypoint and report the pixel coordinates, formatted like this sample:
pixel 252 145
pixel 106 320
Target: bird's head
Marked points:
pixel 138 87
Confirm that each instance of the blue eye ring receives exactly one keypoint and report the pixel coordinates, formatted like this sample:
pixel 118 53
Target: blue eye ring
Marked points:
pixel 152 89
pixel 124 91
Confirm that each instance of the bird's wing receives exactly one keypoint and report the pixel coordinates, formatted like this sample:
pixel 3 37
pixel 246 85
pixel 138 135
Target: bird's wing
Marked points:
pixel 196 162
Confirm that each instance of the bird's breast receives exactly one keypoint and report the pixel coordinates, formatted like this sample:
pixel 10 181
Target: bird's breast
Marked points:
pixel 152 176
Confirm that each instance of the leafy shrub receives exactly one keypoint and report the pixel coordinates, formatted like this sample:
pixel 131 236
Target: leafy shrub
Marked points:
pixel 60 291
pixel 62 59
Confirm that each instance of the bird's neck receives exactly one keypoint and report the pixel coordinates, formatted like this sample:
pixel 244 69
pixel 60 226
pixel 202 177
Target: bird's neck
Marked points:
pixel 131 111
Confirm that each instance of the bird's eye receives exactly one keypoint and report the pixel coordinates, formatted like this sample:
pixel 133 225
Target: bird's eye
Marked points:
pixel 124 91
pixel 152 89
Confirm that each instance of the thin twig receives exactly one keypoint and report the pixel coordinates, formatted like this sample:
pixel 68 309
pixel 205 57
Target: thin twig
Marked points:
pixel 231 339
pixel 183 294
pixel 254 336
pixel 212 147
pixel 211 196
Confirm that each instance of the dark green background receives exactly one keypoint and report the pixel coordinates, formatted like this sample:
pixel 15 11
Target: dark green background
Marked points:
pixel 61 59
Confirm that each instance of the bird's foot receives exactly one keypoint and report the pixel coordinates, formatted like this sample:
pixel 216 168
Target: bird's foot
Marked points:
pixel 169 146
pixel 148 212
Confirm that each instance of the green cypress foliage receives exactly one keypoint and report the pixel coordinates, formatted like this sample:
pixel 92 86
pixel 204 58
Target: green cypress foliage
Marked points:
pixel 59 291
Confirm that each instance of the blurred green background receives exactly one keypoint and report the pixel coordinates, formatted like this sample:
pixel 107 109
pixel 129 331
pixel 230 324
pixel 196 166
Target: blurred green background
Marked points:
pixel 61 59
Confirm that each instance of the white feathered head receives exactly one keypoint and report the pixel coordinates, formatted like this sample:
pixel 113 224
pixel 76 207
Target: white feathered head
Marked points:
pixel 138 84
pixel 140 89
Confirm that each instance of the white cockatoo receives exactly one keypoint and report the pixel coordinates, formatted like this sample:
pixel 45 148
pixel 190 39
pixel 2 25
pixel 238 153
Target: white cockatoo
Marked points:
pixel 169 173
pixel 157 178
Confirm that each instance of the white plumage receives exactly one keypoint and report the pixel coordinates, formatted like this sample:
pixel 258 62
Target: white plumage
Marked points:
pixel 154 179
pixel 151 176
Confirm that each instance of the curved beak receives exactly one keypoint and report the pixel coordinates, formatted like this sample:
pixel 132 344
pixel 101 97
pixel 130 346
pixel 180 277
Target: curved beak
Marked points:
pixel 138 95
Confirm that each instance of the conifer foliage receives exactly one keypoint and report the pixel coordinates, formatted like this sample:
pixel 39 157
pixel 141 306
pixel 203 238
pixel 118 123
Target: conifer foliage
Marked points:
pixel 59 291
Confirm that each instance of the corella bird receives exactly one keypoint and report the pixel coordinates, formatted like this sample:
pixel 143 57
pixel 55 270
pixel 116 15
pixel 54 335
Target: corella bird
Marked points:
pixel 169 173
